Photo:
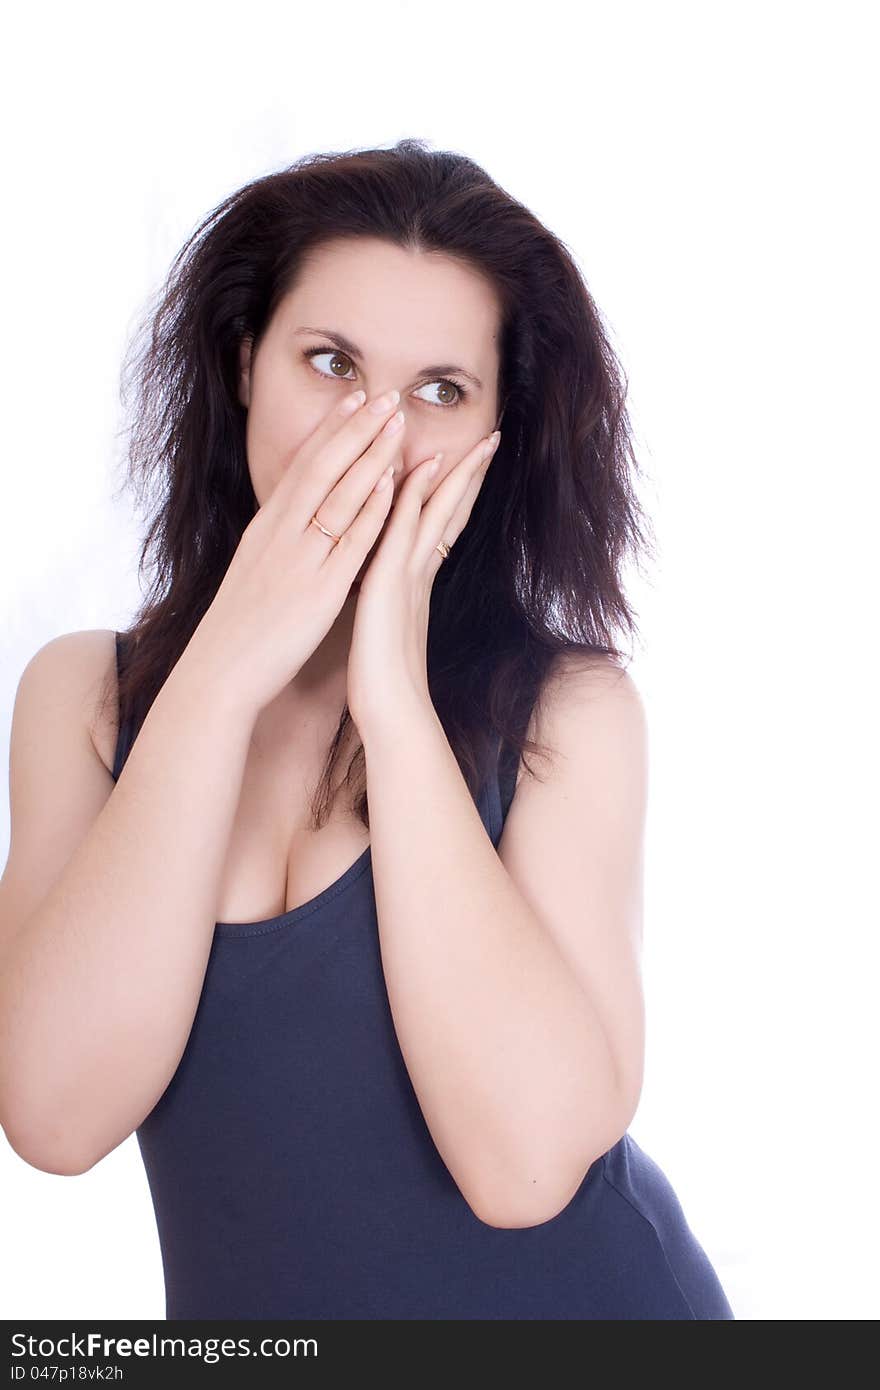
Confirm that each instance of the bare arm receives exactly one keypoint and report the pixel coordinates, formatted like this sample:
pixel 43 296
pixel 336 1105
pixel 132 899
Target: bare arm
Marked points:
pixel 514 976
pixel 100 981
pixel 107 904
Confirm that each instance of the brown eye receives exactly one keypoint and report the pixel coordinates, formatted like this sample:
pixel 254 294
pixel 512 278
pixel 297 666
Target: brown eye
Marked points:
pixel 335 357
pixel 450 387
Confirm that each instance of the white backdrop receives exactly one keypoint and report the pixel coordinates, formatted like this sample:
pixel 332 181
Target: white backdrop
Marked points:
pixel 709 166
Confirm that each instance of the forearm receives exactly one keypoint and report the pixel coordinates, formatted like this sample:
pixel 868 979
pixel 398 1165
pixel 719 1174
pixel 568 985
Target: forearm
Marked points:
pixel 503 1046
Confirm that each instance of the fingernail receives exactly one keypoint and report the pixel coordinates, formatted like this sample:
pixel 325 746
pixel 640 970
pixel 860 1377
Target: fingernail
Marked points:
pixel 396 423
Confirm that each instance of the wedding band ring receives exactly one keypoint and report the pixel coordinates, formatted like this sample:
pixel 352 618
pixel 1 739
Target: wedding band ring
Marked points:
pixel 333 538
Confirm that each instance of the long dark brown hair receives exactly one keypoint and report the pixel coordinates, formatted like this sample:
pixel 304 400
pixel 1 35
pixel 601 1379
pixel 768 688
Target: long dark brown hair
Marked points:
pixel 537 572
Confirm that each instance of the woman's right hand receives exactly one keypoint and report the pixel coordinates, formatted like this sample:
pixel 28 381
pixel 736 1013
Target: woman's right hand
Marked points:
pixel 287 581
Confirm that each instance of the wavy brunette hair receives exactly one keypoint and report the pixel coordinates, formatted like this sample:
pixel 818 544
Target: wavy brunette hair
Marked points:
pixel 537 571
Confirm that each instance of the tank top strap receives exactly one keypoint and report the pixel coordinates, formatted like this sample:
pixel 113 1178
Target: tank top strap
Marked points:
pixel 508 765
pixel 124 738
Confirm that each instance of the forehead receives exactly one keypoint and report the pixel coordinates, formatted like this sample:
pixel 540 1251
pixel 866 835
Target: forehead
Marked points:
pixel 386 298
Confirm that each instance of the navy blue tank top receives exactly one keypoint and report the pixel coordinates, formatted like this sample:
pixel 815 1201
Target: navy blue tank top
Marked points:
pixel 293 1176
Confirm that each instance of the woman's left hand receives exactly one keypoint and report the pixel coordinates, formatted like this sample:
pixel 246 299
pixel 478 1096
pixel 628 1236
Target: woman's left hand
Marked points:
pixel 387 663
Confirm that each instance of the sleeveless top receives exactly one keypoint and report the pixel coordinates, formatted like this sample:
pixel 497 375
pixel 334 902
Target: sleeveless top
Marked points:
pixel 292 1174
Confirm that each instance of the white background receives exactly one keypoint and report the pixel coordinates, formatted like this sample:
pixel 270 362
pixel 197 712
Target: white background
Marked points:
pixel 711 166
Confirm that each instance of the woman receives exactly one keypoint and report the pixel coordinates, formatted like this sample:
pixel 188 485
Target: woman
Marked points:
pixel 380 1065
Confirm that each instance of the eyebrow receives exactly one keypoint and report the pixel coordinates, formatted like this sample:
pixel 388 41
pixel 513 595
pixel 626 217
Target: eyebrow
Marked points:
pixel 347 346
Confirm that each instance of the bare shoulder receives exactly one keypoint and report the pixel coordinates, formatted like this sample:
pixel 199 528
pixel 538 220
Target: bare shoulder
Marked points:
pixel 72 678
pixel 587 699
pixel 597 674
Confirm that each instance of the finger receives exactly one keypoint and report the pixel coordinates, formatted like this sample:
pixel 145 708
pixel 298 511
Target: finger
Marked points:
pixel 329 451
pixel 339 508
pixel 346 555
pixel 400 537
pixel 371 434
pixel 445 514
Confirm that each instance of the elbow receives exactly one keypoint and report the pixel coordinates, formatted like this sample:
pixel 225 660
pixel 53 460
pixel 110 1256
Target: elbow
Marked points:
pixel 521 1211
pixel 546 1183
pixel 534 1201
pixel 47 1154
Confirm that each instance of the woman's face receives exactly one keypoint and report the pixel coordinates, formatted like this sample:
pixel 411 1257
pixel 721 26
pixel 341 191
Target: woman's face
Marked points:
pixel 402 311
